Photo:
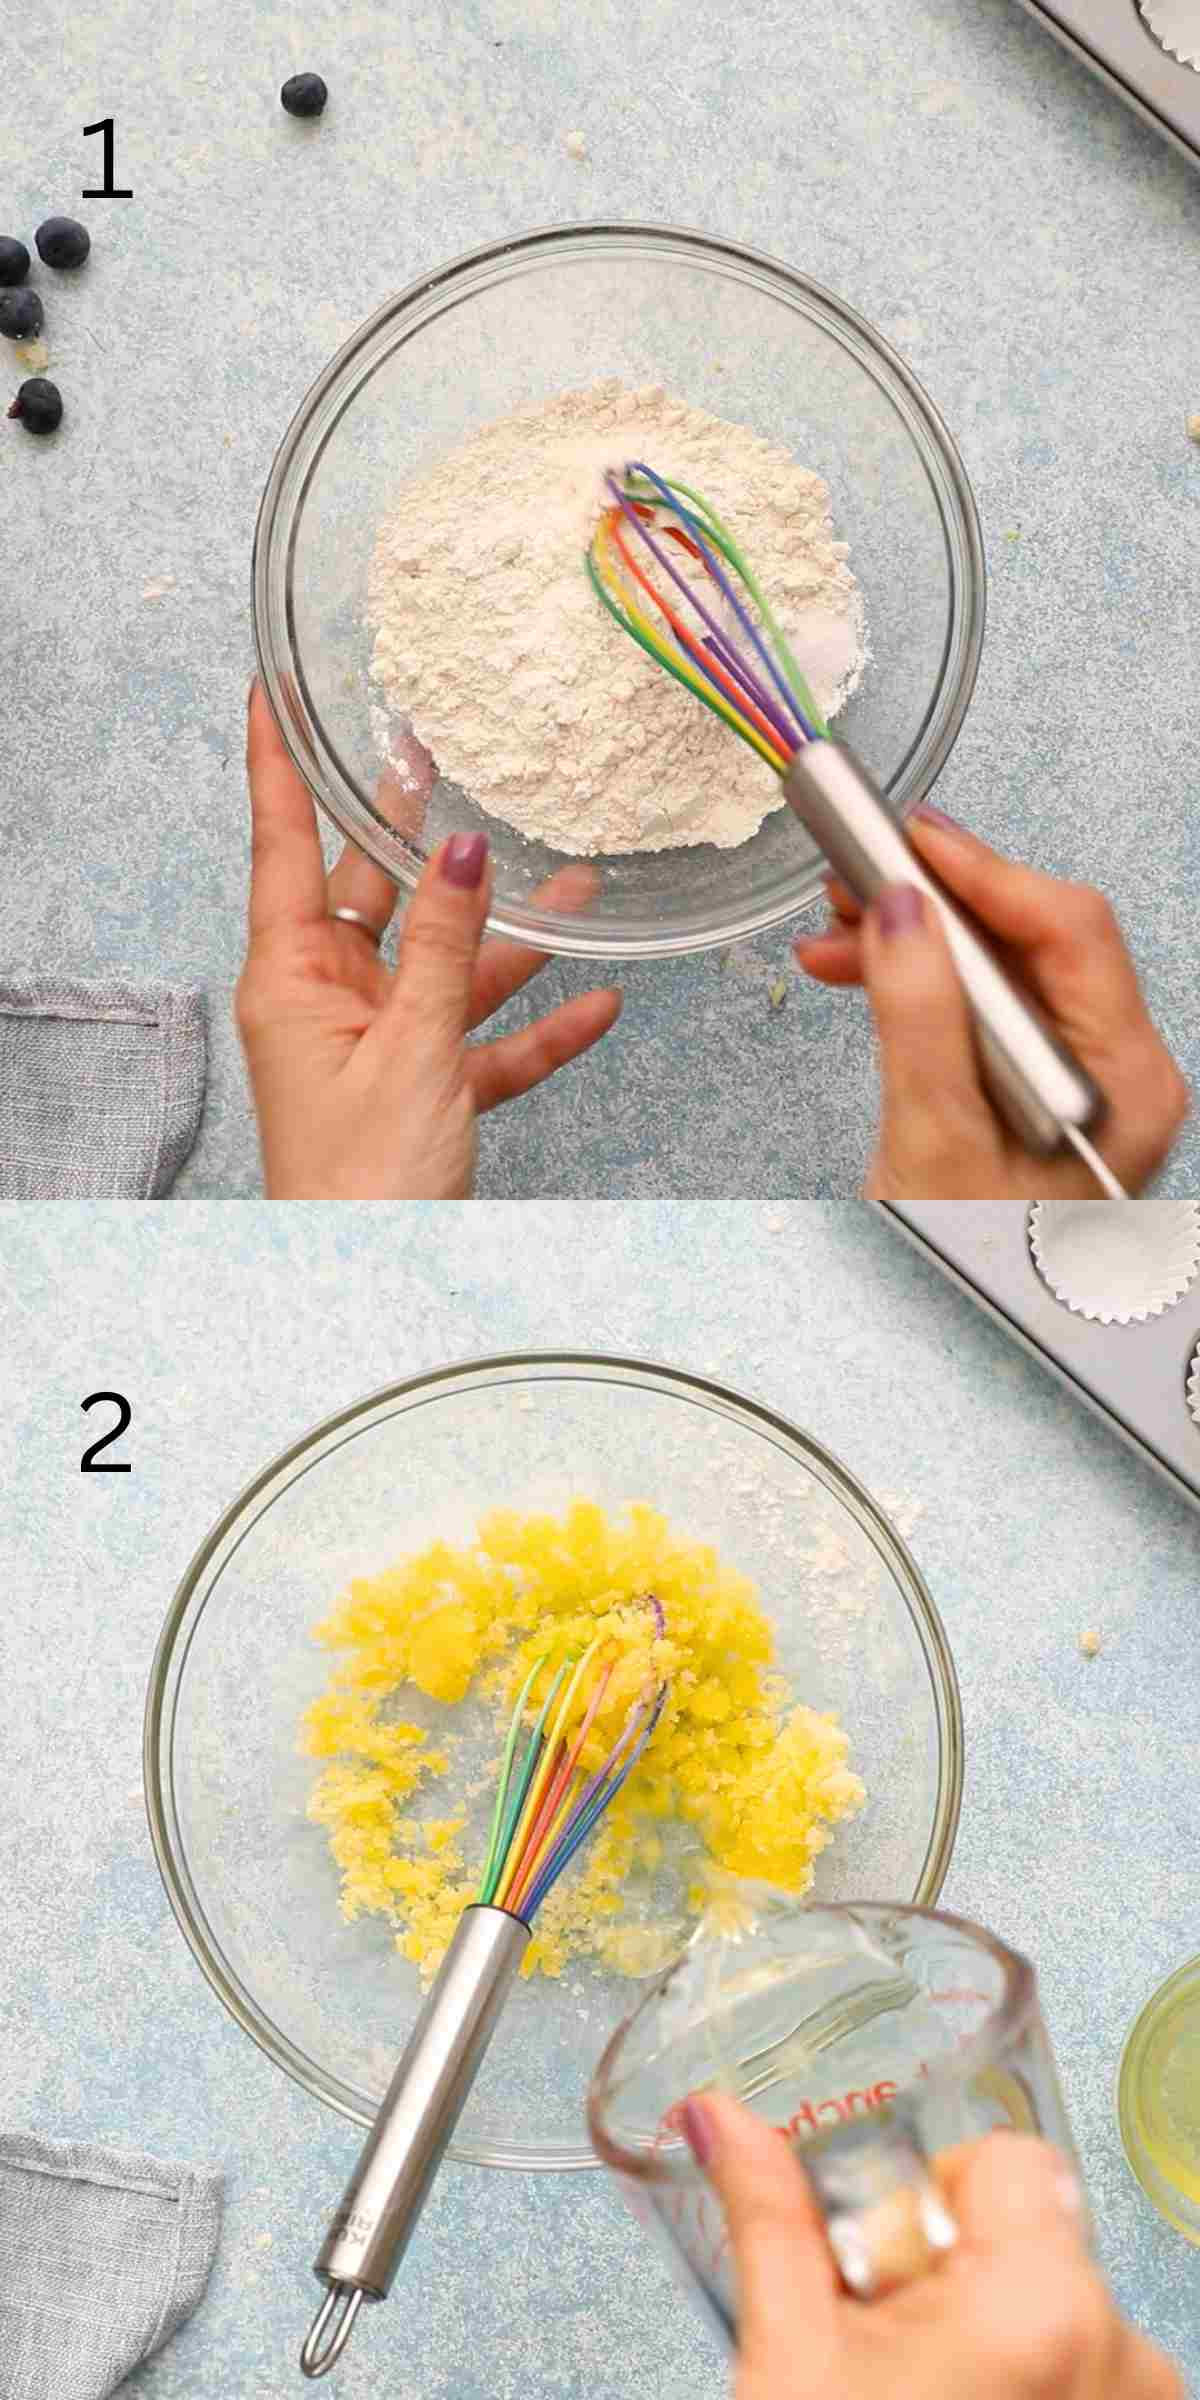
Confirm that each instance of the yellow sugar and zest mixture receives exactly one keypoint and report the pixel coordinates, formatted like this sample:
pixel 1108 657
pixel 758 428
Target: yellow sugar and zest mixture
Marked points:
pixel 757 1777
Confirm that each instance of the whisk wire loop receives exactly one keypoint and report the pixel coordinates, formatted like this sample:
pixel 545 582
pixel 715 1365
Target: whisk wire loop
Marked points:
pixel 326 2338
pixel 742 670
pixel 712 532
pixel 547 1804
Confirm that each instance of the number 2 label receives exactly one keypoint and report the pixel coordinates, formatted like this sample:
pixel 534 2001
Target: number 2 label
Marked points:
pixel 91 1463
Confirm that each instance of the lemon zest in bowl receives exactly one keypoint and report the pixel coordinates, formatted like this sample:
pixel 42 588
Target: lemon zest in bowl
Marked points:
pixel 759 1778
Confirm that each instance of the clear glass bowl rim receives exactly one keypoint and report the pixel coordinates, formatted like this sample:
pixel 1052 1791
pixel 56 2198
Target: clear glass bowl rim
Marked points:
pixel 349 809
pixel 506 1368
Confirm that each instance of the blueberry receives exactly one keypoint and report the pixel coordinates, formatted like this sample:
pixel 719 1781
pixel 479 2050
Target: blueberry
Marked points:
pixel 21 315
pixel 38 404
pixel 61 242
pixel 14 260
pixel 304 95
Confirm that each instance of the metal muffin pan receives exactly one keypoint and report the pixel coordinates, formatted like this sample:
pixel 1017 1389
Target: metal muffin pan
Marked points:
pixel 1113 38
pixel 1133 1376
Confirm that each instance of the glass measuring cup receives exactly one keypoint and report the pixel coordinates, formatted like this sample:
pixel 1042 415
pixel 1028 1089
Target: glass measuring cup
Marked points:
pixel 873 2037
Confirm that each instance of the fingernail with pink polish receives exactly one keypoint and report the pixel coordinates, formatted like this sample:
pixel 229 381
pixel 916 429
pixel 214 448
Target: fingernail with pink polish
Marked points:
pixel 697 2131
pixel 900 910
pixel 927 814
pixel 464 859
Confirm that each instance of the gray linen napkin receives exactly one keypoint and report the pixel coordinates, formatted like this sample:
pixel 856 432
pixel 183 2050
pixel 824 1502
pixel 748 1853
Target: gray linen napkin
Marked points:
pixel 101 1088
pixel 103 2256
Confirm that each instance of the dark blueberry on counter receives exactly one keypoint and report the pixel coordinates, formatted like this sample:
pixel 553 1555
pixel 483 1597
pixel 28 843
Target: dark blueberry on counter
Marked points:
pixel 21 315
pixel 304 95
pixel 38 404
pixel 62 242
pixel 14 260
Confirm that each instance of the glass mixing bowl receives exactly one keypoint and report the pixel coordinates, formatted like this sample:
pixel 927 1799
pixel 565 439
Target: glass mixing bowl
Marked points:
pixel 727 330
pixel 250 1878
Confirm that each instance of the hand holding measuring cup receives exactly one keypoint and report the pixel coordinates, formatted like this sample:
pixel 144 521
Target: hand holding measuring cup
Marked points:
pixel 940 1137
pixel 844 2125
pixel 1016 2311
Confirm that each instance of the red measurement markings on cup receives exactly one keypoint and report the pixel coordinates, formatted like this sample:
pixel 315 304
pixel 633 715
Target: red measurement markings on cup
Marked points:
pixel 812 2114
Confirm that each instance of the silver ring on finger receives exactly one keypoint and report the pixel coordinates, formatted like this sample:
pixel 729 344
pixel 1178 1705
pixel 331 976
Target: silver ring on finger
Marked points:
pixel 354 916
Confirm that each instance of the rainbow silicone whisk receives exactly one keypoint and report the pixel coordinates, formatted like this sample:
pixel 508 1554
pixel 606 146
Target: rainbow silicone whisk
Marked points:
pixel 546 1806
pixel 674 578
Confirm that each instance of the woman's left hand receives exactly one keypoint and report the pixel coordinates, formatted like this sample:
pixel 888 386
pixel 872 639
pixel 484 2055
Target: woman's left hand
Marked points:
pixel 364 1082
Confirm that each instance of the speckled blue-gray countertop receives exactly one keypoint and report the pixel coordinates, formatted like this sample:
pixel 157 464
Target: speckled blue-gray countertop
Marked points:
pixel 231 1333
pixel 1029 246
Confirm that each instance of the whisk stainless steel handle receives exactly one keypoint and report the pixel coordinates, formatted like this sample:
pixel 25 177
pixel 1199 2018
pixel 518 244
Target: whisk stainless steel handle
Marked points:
pixel 390 2184
pixel 1040 1090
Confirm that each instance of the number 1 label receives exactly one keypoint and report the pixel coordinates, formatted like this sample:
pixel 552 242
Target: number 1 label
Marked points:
pixel 108 189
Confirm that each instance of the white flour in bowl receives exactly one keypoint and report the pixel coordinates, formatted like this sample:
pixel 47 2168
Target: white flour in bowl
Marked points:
pixel 490 642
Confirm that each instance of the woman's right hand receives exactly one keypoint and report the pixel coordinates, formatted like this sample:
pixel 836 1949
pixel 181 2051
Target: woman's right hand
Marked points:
pixel 939 1136
pixel 1017 2311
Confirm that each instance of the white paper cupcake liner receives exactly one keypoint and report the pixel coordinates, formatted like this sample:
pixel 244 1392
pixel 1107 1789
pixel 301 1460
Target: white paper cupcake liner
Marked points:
pixel 1116 1261
pixel 1176 24
pixel 1193 1386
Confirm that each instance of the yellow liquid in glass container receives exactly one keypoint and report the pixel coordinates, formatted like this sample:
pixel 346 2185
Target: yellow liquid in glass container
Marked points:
pixel 1170 2084
pixel 1159 2100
